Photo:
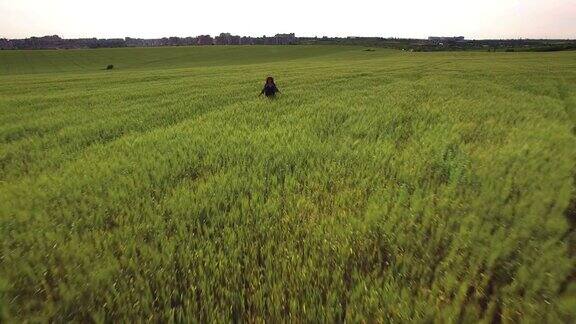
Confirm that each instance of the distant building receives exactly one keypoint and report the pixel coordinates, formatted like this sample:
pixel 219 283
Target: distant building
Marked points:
pixel 285 39
pixel 134 42
pixel 55 42
pixel 278 39
pixel 170 41
pixel 112 42
pixel 247 41
pixel 205 40
pixel 6 44
pixel 47 42
pixel 457 39
pixel 227 39
pixel 188 41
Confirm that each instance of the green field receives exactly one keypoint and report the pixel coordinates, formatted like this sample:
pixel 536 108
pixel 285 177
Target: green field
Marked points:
pixel 381 186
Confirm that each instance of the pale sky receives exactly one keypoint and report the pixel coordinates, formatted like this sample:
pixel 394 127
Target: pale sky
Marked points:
pixel 384 18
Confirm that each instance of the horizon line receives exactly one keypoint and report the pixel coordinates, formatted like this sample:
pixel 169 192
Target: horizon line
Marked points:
pixel 315 36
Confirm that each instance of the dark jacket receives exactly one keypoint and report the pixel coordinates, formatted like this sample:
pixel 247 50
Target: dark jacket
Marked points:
pixel 269 90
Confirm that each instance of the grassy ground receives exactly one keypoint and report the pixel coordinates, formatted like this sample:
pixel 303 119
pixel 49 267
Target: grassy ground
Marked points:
pixel 26 62
pixel 381 185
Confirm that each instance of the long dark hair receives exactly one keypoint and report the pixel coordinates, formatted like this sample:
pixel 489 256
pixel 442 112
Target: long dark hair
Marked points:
pixel 270 80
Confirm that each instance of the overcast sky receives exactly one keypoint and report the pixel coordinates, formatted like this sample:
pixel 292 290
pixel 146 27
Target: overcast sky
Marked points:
pixel 385 18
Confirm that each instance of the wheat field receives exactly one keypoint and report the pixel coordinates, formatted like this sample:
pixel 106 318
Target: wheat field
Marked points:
pixel 380 186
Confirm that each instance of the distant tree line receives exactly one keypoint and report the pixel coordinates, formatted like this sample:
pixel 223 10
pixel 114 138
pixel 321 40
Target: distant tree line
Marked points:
pixel 418 45
pixel 448 44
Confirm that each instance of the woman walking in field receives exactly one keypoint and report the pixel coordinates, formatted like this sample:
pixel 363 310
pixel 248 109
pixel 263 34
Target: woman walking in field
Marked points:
pixel 270 88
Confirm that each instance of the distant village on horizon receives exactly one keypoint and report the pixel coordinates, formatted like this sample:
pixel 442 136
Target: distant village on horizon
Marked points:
pixel 55 42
